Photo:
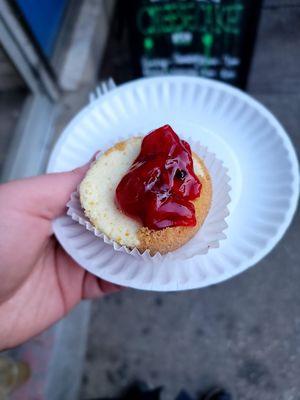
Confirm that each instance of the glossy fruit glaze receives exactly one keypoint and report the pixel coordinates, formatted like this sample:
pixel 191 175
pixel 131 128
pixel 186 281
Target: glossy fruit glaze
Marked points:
pixel 160 185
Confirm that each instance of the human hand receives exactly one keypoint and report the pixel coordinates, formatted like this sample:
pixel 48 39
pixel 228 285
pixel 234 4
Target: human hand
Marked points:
pixel 39 282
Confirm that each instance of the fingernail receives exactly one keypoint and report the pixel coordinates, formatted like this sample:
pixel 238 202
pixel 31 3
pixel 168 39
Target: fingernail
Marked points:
pixel 95 156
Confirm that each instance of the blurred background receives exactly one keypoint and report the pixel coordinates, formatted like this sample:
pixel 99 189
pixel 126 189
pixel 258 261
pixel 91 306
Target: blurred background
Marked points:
pixel 243 334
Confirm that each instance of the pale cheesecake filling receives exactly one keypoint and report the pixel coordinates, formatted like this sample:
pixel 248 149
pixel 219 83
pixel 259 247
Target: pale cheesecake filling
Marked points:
pixel 97 192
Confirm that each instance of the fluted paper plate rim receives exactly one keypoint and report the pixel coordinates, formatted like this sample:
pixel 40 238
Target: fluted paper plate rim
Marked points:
pixel 252 259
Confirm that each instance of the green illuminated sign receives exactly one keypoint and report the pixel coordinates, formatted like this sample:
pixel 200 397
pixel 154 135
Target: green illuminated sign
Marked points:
pixel 207 41
pixel 148 43
pixel 210 38
pixel 193 17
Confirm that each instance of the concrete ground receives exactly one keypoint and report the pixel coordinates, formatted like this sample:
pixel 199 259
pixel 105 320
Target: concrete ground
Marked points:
pixel 244 333
pixel 11 103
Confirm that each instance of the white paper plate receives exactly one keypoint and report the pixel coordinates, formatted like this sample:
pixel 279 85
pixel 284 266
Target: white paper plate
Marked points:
pixel 260 158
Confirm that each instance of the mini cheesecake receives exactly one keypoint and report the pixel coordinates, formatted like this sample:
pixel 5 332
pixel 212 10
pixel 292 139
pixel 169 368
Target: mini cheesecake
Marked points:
pixel 101 202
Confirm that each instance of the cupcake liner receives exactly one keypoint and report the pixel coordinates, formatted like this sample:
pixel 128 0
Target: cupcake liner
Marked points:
pixel 208 236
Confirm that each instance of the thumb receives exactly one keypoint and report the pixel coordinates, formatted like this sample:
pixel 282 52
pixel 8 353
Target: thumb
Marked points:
pixel 45 195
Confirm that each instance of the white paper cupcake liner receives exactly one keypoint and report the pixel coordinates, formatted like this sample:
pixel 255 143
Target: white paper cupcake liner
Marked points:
pixel 208 236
